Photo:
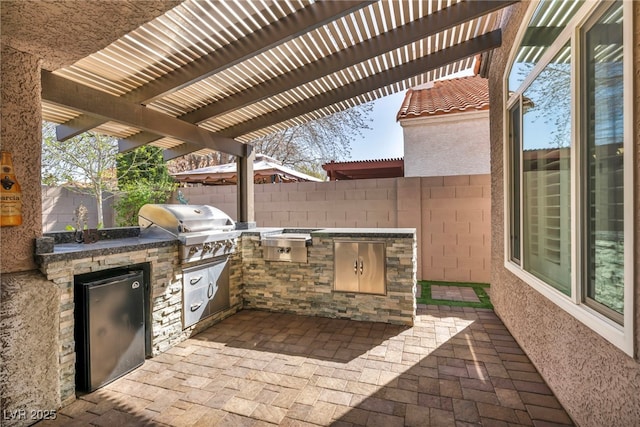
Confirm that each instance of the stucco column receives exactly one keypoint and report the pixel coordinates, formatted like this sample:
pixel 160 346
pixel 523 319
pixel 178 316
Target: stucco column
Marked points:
pixel 30 309
pixel 21 135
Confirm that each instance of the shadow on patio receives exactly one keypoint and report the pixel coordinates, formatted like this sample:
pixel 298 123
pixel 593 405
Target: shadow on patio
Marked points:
pixel 456 366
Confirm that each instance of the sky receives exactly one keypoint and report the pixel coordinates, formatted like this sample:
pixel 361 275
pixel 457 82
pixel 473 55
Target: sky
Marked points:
pixel 384 140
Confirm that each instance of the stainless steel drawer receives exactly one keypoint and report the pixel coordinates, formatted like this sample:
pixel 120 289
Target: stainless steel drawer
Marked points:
pixel 287 253
pixel 205 291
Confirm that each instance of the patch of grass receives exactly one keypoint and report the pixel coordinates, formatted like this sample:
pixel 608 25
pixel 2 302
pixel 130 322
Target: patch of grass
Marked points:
pixel 479 289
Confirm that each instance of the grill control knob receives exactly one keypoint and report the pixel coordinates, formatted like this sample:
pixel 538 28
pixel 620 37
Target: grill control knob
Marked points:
pixel 193 250
pixel 217 246
pixel 228 244
pixel 207 247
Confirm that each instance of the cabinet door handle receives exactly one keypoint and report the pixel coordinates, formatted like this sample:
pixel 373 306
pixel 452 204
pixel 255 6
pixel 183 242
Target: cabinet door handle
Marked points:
pixel 195 280
pixel 196 306
pixel 210 290
pixel 355 267
pixel 361 266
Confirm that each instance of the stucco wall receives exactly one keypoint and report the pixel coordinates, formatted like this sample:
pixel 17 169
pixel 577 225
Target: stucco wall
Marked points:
pixel 451 215
pixel 597 383
pixel 21 134
pixel 448 144
pixel 29 347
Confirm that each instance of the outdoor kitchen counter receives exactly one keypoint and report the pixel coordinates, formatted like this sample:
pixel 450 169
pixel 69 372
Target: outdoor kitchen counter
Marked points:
pixel 309 288
pixel 71 251
pixel 336 232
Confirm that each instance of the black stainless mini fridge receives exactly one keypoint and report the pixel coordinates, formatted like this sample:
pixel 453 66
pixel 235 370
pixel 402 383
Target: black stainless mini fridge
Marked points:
pixel 109 331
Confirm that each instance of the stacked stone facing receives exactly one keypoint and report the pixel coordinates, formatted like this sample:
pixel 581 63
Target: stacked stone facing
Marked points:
pixel 307 288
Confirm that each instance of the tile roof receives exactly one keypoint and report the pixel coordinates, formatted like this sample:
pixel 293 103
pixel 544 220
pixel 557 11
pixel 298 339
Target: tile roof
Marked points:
pixel 264 167
pixel 445 97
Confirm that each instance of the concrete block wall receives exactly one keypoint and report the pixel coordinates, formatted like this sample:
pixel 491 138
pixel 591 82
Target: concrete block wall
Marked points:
pixel 456 228
pixel 451 215
pixel 59 204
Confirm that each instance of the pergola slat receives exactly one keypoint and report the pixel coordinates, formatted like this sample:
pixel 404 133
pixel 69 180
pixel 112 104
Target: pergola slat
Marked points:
pixel 414 31
pixel 286 28
pixel 434 61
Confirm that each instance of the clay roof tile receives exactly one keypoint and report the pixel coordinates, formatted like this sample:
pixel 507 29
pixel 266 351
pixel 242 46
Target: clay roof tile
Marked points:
pixel 445 97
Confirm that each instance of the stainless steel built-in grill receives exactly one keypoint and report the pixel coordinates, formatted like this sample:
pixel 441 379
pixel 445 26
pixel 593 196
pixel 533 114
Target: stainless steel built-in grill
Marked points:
pixel 204 231
pixel 205 234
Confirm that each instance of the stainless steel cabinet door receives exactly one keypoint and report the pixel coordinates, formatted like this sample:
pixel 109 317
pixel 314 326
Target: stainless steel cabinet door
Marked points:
pixel 371 268
pixel 360 267
pixel 346 275
pixel 218 287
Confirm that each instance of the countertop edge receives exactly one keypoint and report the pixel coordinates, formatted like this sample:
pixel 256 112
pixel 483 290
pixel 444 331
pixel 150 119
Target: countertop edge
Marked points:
pixel 335 232
pixel 72 251
pixel 117 246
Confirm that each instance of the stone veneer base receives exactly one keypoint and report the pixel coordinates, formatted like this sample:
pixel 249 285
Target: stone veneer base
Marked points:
pixel 307 288
pixel 304 289
pixel 165 301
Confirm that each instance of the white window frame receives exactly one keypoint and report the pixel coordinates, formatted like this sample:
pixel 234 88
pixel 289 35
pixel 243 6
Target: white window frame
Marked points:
pixel 621 336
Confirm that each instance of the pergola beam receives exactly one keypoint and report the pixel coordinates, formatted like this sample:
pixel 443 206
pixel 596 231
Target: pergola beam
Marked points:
pixel 286 28
pixel 416 30
pixel 61 91
pixel 401 72
pixel 393 75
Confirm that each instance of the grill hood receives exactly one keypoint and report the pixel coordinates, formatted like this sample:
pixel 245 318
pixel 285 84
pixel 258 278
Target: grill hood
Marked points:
pixel 183 219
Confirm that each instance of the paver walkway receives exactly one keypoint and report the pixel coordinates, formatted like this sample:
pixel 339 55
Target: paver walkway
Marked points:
pixel 454 293
pixel 455 367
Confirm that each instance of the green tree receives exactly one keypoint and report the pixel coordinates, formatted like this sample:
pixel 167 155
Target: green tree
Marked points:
pixel 144 163
pixel 136 194
pixel 90 164
pixel 85 163
pixel 143 178
pixel 307 146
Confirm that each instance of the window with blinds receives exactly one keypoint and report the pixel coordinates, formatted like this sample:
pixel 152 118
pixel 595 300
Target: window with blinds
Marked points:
pixel 602 66
pixel 568 191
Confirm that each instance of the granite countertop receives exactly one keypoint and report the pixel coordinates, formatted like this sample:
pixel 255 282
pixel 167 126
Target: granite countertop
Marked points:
pixel 67 251
pixel 365 232
pixel 335 232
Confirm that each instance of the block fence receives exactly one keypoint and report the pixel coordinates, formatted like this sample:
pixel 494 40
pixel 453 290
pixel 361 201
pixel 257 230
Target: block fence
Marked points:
pixel 451 215
pixel 59 205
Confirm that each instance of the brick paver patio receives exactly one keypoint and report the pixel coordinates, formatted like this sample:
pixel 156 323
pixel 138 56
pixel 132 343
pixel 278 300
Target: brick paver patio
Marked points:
pixel 454 293
pixel 455 367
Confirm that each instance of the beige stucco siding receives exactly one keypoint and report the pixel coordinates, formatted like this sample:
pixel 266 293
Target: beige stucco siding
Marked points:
pixel 22 136
pixel 596 382
pixel 447 144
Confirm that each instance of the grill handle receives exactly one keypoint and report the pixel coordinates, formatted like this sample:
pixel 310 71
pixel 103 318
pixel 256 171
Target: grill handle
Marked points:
pixel 195 280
